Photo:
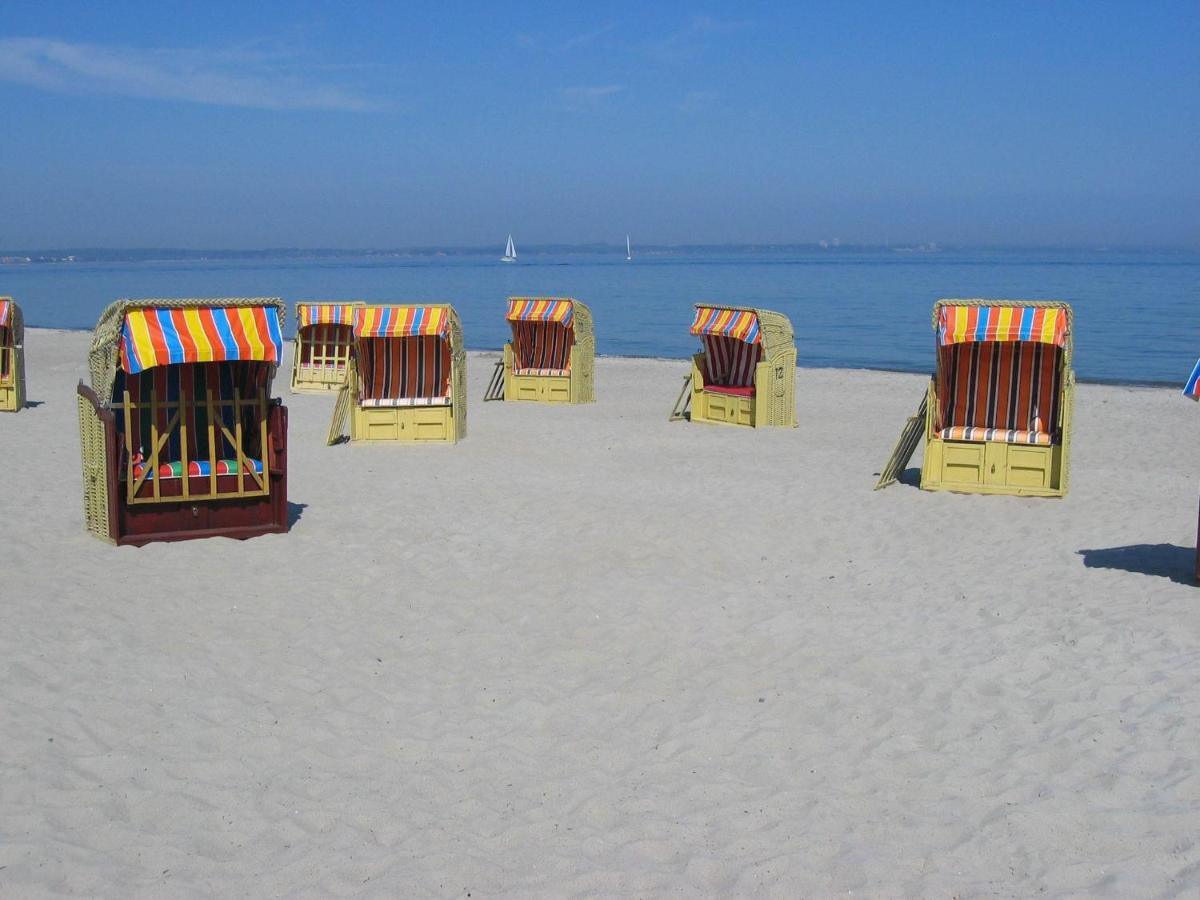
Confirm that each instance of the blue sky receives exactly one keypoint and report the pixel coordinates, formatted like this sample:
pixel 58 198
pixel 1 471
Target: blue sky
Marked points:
pixel 391 124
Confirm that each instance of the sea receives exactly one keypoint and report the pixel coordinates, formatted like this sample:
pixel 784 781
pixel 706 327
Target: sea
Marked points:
pixel 1137 315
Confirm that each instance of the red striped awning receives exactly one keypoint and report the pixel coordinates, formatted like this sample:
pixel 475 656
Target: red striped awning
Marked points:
pixel 401 321
pixel 741 324
pixel 968 324
pixel 540 309
pixel 6 306
pixel 324 314
pixel 168 336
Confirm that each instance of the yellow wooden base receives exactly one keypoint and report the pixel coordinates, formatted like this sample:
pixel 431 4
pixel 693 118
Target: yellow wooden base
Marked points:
pixel 993 467
pixel 11 399
pixel 424 424
pixel 316 379
pixel 540 388
pixel 722 409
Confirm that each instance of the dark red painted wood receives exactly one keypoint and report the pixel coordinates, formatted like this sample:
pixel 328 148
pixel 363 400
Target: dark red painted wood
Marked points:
pixel 238 517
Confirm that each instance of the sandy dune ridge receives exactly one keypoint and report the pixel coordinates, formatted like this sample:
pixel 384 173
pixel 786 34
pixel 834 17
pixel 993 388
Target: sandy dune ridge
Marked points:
pixel 587 652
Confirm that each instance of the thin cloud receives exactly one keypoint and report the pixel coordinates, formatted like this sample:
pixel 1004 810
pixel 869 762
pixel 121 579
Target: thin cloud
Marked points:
pixel 552 45
pixel 236 77
pixel 690 41
pixel 580 40
pixel 581 98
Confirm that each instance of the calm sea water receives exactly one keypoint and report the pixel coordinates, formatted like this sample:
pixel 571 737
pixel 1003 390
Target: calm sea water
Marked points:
pixel 1136 314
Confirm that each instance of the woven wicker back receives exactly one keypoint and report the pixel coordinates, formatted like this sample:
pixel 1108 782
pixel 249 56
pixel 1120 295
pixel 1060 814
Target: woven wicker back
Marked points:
pixel 104 356
pixel 458 374
pixel 583 354
pixel 777 335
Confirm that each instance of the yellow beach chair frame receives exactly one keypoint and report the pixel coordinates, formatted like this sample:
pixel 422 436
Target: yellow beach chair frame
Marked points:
pixel 773 399
pixel 12 358
pixel 1000 464
pixel 574 382
pixel 443 422
pixel 322 365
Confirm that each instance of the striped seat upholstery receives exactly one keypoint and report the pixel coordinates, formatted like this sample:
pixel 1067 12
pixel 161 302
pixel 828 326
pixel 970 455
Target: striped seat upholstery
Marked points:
pixel 413 368
pixel 200 469
pixel 1000 391
pixel 395 402
pixel 728 361
pixel 1008 436
pixel 191 384
pixel 542 347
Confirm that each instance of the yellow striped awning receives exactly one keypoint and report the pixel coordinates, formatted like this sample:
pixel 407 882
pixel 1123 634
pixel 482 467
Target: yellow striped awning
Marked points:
pixel 741 324
pixel 324 314
pixel 401 321
pixel 540 309
pixel 968 324
pixel 168 336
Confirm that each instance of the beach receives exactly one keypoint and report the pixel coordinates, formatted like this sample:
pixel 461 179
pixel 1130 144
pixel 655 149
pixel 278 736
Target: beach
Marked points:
pixel 588 652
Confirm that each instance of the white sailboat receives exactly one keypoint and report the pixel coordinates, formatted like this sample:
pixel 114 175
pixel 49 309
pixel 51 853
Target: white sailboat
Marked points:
pixel 628 252
pixel 510 252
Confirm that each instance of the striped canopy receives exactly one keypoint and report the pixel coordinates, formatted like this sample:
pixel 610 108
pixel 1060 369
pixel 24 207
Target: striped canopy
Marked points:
pixel 401 321
pixel 6 306
pixel 540 309
pixel 741 324
pixel 167 336
pixel 1192 388
pixel 968 324
pixel 324 314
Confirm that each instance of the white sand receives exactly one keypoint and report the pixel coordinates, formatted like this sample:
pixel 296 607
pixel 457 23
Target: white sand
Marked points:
pixel 587 652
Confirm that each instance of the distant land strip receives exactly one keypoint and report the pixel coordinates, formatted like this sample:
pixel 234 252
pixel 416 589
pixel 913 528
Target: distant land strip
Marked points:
pixel 179 254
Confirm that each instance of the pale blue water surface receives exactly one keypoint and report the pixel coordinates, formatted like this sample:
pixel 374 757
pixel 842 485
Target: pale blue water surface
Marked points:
pixel 1136 317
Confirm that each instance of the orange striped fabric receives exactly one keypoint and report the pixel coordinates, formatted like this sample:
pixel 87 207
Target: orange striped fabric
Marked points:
pixel 966 324
pixel 541 347
pixel 549 309
pixel 735 323
pixel 324 314
pixel 404 368
pixel 401 321
pixel 1005 387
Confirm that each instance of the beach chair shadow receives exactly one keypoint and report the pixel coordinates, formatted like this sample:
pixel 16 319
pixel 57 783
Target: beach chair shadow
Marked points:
pixel 1162 560
pixel 294 513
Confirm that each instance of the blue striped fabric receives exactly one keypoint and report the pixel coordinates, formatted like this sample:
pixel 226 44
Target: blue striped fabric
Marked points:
pixel 1192 388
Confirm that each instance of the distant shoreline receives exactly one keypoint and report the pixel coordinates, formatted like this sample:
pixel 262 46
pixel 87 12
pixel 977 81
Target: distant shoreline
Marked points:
pixel 76 255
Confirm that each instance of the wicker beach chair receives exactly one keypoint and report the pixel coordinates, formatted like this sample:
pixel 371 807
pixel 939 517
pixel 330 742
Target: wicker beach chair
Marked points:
pixel 998 408
pixel 552 354
pixel 322 347
pixel 408 376
pixel 12 356
pixel 746 372
pixel 180 435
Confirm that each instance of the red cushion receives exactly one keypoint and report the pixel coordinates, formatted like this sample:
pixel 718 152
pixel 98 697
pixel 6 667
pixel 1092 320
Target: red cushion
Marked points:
pixel 727 389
